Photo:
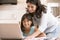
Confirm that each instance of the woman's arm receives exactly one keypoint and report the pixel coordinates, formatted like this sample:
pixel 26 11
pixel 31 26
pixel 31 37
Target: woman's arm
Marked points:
pixel 42 27
pixel 36 34
pixel 40 35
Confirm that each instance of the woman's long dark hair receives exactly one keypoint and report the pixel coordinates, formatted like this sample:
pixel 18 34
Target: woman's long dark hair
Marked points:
pixel 40 8
pixel 26 16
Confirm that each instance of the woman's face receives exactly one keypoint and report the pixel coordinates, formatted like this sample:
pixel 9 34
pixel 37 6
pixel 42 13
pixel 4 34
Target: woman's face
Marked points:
pixel 27 23
pixel 31 7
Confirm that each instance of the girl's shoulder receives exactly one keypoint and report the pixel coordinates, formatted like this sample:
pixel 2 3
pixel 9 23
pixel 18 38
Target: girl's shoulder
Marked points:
pixel 32 29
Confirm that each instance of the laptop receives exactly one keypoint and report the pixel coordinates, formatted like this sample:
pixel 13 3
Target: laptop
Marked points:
pixel 10 31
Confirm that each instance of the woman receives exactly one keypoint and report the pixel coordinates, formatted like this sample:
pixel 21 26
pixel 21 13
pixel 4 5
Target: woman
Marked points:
pixel 46 22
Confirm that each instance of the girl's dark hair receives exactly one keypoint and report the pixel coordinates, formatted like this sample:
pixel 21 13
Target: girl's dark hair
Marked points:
pixel 26 16
pixel 40 8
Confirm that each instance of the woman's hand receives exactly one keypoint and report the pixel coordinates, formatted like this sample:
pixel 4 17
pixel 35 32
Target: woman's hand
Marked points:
pixel 41 35
pixel 28 38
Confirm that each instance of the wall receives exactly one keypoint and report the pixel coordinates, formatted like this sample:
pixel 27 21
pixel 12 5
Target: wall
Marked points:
pixel 56 1
pixel 12 12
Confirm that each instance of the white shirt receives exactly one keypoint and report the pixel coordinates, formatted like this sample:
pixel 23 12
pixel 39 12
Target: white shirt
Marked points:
pixel 48 24
pixel 48 21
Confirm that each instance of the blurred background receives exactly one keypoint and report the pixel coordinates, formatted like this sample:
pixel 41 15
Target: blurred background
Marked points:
pixel 12 12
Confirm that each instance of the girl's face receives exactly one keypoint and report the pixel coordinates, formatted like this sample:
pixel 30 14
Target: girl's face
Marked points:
pixel 31 7
pixel 27 23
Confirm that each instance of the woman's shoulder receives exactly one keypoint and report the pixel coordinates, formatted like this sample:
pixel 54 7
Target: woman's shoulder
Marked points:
pixel 44 16
pixel 48 15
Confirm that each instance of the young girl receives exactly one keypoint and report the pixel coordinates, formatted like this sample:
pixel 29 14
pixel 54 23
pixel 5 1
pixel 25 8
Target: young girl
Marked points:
pixel 27 26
